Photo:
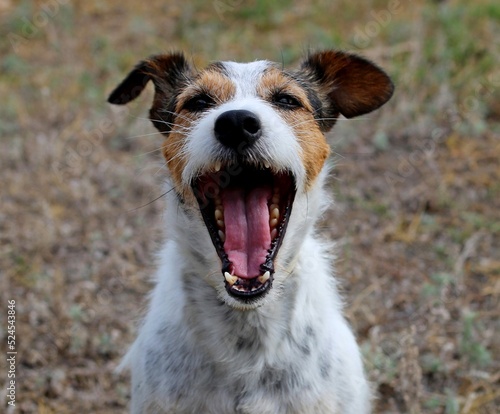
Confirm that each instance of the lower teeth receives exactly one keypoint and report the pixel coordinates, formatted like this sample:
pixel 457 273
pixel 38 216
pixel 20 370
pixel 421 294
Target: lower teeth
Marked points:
pixel 237 283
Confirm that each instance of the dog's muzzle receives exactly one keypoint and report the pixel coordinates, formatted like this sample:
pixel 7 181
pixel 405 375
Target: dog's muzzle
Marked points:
pixel 246 207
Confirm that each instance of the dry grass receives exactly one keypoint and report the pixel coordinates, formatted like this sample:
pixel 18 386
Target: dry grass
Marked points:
pixel 417 188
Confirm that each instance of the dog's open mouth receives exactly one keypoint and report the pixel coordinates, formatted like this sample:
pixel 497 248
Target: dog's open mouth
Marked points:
pixel 246 211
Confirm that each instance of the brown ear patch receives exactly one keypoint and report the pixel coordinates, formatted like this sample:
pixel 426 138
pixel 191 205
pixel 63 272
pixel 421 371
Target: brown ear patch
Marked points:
pixel 352 85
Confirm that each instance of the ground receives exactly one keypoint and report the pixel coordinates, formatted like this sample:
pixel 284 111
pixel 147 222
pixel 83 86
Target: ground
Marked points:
pixel 416 184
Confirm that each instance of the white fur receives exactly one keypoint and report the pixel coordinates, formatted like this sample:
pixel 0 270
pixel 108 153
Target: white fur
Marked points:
pixel 199 350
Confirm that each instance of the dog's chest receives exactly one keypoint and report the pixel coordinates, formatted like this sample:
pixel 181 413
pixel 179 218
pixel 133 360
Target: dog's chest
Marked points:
pixel 239 365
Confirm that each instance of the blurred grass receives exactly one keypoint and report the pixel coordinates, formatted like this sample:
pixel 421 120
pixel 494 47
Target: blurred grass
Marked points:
pixel 417 187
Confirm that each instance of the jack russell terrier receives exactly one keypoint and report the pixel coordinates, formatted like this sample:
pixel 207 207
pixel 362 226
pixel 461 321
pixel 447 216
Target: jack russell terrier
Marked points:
pixel 245 316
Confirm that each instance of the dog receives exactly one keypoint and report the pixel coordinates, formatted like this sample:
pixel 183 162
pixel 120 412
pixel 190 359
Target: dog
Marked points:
pixel 245 316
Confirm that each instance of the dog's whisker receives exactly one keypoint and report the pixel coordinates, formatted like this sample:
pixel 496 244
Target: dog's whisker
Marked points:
pixel 179 155
pixel 142 154
pixel 315 120
pixel 162 167
pixel 143 135
pixel 152 201
pixel 208 277
pixel 283 269
pixel 304 138
pixel 178 127
pixel 176 114
pixel 162 121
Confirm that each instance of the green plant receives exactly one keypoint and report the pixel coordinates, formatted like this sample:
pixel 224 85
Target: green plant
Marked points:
pixel 470 345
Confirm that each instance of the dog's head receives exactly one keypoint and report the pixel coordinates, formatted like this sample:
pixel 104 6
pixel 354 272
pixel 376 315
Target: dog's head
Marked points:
pixel 244 144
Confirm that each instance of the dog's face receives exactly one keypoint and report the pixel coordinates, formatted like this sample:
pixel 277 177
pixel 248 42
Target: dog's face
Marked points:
pixel 245 145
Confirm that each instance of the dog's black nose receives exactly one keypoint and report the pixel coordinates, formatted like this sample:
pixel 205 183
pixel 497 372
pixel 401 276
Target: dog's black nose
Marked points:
pixel 237 129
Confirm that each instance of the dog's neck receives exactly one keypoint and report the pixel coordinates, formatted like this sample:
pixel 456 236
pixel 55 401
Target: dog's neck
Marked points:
pixel 226 333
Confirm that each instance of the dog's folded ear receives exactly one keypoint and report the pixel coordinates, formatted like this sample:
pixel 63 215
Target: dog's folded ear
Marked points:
pixel 353 85
pixel 169 74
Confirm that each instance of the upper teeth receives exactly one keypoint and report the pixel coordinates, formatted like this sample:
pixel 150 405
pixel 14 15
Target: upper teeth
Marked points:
pixel 274 215
pixel 218 214
pixel 275 211
pixel 219 218
pixel 217 166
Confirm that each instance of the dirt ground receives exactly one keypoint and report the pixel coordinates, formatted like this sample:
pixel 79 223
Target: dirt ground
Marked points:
pixel 416 186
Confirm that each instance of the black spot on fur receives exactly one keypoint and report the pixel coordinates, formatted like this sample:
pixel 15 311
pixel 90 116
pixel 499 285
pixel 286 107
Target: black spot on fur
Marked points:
pixel 305 349
pixel 218 67
pixel 200 259
pixel 294 380
pixel 241 344
pixel 237 402
pixel 246 344
pixel 181 201
pixel 310 332
pixel 153 362
pixel 282 380
pixel 305 343
pixel 325 367
pixel 272 378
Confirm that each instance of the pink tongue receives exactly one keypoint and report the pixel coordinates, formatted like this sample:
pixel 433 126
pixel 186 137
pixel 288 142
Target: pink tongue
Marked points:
pixel 246 216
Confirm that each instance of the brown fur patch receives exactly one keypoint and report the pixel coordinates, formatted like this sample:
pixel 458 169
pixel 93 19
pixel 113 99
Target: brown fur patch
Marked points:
pixel 211 82
pixel 275 81
pixel 219 88
pixel 315 149
pixel 172 150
